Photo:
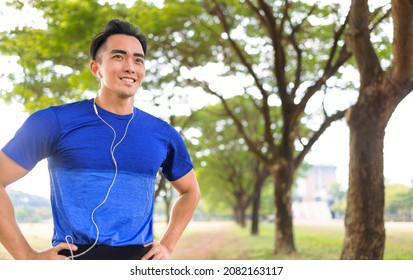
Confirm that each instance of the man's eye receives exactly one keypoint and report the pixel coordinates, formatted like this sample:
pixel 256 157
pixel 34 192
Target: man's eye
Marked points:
pixel 118 56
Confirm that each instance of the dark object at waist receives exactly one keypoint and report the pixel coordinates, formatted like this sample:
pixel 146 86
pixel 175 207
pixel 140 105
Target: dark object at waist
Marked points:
pixel 103 252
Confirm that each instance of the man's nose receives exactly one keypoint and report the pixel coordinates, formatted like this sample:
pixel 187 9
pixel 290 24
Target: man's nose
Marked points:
pixel 129 66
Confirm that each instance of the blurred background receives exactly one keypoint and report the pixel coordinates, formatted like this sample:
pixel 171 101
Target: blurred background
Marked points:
pixel 214 72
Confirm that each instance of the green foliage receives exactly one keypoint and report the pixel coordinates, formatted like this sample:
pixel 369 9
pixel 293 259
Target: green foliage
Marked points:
pixel 338 198
pixel 184 36
pixel 55 61
pixel 225 167
pixel 30 208
pixel 267 201
pixel 26 214
pixel 399 202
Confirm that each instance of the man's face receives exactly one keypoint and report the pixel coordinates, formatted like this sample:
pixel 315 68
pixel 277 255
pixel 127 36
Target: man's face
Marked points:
pixel 120 66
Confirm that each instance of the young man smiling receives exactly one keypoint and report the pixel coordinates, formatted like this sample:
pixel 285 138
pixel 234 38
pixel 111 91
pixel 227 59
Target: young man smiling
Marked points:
pixel 103 156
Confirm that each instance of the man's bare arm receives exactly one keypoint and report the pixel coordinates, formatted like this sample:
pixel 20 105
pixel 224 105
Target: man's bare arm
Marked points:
pixel 181 214
pixel 10 234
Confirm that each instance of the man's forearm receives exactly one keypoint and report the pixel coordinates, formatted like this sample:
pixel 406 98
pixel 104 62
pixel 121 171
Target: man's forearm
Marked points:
pixel 181 214
pixel 10 234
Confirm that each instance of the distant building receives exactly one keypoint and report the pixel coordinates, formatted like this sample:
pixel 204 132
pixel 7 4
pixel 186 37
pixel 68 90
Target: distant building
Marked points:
pixel 314 185
pixel 311 196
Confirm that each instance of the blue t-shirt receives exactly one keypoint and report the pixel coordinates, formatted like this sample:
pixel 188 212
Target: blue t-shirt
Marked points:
pixel 77 145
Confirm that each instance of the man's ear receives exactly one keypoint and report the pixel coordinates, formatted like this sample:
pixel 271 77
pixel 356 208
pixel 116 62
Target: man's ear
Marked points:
pixel 94 68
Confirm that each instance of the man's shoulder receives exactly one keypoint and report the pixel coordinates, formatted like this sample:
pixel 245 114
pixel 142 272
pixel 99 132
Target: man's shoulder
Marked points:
pixel 61 114
pixel 71 110
pixel 77 105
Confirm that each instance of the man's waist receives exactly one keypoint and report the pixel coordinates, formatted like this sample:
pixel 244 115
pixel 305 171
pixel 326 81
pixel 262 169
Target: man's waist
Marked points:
pixel 105 252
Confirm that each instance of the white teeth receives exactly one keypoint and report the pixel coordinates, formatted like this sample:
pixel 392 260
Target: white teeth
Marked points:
pixel 128 80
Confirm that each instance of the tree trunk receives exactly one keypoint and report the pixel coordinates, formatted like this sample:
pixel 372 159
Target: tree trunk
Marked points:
pixel 380 93
pixel 255 219
pixel 284 236
pixel 239 213
pixel 364 221
pixel 256 200
pixel 256 210
pixel 365 234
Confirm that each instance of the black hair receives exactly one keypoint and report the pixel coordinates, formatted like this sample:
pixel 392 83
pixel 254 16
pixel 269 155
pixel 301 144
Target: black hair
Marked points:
pixel 113 27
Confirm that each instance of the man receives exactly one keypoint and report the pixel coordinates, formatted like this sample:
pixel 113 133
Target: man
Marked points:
pixel 103 156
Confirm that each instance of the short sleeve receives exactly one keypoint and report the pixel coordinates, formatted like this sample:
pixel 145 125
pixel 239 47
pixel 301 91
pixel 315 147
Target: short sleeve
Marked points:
pixel 178 161
pixel 35 139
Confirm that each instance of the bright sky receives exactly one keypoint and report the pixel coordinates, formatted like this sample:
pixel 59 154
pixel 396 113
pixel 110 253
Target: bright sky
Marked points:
pixel 332 147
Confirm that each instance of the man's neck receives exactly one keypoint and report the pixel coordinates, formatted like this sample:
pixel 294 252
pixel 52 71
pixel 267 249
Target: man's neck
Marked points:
pixel 117 106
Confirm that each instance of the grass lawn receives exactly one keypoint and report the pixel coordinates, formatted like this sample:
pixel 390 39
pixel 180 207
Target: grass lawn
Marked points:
pixel 324 242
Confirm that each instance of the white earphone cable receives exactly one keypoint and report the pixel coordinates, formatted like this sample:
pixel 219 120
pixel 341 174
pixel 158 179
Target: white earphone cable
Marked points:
pixel 112 152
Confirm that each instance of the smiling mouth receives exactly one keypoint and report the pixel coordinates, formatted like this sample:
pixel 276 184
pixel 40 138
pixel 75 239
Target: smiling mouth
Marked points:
pixel 129 80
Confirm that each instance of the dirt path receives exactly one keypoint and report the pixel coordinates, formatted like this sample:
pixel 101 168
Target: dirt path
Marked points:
pixel 210 241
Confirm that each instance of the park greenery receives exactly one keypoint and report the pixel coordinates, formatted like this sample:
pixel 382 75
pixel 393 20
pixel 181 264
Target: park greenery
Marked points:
pixel 263 64
pixel 30 208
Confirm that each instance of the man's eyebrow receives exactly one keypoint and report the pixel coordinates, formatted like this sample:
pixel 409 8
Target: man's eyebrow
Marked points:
pixel 124 52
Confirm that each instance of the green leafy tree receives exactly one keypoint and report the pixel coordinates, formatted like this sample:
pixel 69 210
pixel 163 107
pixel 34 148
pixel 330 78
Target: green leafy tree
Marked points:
pixel 284 54
pixel 55 60
pixel 227 168
pixel 337 199
pixel 399 202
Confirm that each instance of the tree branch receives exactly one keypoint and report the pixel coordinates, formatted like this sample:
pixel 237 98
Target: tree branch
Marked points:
pixel 331 67
pixel 298 50
pixel 403 40
pixel 327 122
pixel 265 108
pixel 253 147
pixel 225 25
pixel 256 11
pixel 358 39
pixel 276 39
